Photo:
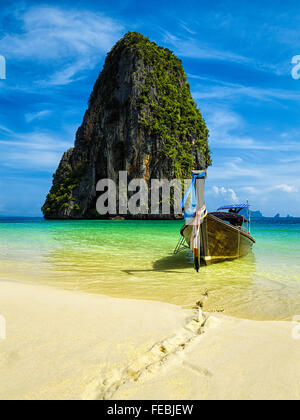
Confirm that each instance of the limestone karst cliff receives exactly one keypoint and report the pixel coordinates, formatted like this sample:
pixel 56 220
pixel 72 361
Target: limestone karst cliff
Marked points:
pixel 141 119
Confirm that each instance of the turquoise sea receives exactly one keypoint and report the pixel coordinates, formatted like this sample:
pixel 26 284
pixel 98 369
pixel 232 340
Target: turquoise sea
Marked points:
pixel 134 259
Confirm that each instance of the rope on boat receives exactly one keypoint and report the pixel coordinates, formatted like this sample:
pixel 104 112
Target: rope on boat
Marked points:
pixel 181 245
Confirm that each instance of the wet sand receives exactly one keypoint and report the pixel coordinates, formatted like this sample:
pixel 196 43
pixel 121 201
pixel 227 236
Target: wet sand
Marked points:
pixel 70 345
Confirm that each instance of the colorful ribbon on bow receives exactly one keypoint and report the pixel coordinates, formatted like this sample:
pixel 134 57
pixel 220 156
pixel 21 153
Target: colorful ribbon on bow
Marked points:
pixel 197 216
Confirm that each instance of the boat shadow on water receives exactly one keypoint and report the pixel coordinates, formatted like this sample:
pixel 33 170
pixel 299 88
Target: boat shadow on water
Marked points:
pixel 185 261
pixel 181 262
pixel 168 264
pixel 173 262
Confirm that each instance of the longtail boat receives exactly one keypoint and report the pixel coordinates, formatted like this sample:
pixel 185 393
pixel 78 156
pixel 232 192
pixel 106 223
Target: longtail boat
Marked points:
pixel 214 237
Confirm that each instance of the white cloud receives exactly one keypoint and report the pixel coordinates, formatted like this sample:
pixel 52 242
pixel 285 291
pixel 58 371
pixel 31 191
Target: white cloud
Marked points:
pixel 33 150
pixel 250 190
pixel 286 188
pixel 224 125
pixel 37 115
pixel 43 160
pixel 5 129
pixel 190 47
pixel 266 185
pixel 230 91
pixel 227 131
pixel 187 28
pixel 226 193
pixel 69 40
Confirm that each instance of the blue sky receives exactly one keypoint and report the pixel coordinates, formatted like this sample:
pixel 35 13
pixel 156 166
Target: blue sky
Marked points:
pixel 238 57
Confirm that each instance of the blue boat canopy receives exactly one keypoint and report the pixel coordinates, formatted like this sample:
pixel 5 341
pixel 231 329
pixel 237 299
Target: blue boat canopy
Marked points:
pixel 235 207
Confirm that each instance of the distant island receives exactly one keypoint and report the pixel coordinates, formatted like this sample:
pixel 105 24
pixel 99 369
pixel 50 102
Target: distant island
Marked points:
pixel 258 215
pixel 278 216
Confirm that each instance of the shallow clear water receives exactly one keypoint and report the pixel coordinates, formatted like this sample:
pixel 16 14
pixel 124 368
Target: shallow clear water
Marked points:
pixel 134 259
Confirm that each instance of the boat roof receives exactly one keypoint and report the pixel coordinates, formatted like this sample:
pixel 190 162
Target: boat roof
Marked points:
pixel 235 207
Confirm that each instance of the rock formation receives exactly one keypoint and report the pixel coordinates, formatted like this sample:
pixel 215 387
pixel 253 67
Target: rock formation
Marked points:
pixel 141 119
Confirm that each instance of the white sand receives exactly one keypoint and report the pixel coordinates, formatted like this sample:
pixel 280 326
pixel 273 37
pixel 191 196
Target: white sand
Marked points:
pixel 65 345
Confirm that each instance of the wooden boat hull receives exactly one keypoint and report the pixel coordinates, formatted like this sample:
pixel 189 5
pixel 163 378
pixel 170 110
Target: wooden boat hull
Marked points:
pixel 220 241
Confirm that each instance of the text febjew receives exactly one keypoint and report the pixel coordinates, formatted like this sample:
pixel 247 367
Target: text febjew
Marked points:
pixel 156 409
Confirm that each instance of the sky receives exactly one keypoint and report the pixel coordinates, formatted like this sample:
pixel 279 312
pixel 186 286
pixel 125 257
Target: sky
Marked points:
pixel 239 60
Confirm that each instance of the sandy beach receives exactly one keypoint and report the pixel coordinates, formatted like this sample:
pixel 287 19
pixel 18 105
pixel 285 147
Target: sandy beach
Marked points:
pixel 70 345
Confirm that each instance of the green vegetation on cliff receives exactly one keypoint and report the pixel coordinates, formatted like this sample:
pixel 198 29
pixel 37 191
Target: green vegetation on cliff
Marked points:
pixel 60 196
pixel 168 110
pixel 141 118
